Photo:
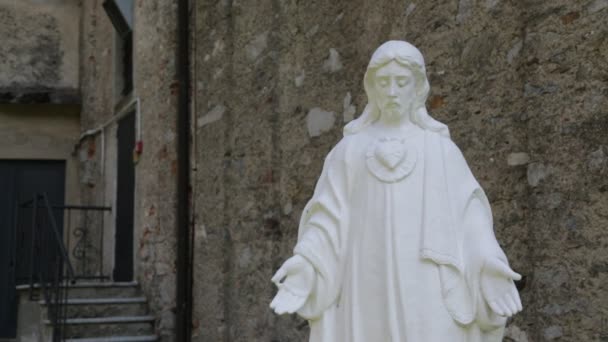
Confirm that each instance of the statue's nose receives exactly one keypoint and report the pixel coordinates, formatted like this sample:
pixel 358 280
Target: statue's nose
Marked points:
pixel 392 91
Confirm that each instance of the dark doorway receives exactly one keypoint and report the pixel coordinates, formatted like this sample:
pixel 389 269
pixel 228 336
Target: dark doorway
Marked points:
pixel 20 180
pixel 123 258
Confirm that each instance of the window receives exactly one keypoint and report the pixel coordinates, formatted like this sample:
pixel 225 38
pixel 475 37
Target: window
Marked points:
pixel 120 13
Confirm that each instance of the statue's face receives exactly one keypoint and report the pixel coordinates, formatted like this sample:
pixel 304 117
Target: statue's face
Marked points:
pixel 395 90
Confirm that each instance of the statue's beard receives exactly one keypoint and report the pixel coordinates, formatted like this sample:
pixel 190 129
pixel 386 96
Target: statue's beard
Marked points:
pixel 395 113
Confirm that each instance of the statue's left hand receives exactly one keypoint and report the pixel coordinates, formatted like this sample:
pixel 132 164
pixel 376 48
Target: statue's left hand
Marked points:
pixel 498 288
pixel 295 281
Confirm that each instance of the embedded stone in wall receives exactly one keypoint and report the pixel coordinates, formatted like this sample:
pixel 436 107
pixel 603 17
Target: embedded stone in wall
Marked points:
pixel 596 6
pixel 515 334
pixel 410 8
pixel 319 121
pixel 257 46
pixel 465 8
pixel 333 63
pixel 518 158
pixel 218 47
pixel 536 173
pixel 598 160
pixel 490 4
pixel 299 80
pixel 287 208
pixel 212 116
pixel 514 51
pixel 553 332
pixel 349 108
pixel 313 30
pixel 535 90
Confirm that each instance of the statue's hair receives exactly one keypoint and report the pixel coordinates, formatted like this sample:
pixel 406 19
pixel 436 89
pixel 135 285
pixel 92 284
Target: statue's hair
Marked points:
pixel 410 57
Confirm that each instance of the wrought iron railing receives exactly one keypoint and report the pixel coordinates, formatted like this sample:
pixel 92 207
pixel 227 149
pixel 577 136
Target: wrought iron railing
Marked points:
pixel 85 239
pixel 50 266
pixel 54 260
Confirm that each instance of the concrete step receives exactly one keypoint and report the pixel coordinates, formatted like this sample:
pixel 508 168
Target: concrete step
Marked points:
pixel 143 338
pixel 82 289
pixel 108 326
pixel 103 307
pixel 101 311
pixel 104 290
pixel 100 301
pixel 85 283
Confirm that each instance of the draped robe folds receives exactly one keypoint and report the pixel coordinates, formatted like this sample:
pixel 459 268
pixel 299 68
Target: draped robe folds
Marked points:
pixel 398 261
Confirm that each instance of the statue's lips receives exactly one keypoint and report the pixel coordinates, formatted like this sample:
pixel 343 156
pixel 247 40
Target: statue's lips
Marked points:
pixel 392 105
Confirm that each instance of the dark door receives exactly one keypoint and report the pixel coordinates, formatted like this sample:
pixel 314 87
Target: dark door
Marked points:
pixel 123 258
pixel 20 180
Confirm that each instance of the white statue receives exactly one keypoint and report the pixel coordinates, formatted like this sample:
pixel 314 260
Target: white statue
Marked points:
pixel 397 243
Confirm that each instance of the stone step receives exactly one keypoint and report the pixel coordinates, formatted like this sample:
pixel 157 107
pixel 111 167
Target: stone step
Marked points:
pixel 104 290
pixel 103 307
pixel 108 326
pixel 93 301
pixel 143 338
pixel 82 289
pixel 84 283
pixel 107 320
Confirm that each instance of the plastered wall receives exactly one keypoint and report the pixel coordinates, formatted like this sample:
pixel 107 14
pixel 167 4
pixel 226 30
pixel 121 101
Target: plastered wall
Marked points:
pixel 39 53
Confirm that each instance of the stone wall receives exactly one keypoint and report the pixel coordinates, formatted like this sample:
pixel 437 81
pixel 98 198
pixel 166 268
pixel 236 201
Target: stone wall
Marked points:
pixel 155 172
pixel 39 51
pixel 96 150
pixel 522 85
pixel 566 100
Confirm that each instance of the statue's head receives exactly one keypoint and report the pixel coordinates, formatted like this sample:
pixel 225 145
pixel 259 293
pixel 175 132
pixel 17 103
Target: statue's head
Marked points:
pixel 396 84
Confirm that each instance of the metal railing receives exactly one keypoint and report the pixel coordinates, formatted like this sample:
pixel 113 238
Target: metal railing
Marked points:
pixel 87 245
pixel 52 267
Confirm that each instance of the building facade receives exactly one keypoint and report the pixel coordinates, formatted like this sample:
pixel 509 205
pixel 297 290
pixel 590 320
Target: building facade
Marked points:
pixel 269 86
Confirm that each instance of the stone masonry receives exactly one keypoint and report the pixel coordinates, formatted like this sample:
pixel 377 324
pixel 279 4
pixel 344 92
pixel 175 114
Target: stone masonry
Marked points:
pixel 154 84
pixel 522 85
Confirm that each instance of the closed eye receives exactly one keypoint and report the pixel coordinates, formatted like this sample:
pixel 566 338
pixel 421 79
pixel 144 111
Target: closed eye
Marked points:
pixel 403 81
pixel 383 81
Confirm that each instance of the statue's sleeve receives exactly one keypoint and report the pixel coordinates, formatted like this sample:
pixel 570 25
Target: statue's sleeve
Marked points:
pixel 321 234
pixel 479 245
pixel 477 239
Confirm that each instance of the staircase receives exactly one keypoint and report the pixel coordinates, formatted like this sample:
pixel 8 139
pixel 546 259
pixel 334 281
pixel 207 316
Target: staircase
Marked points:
pixel 83 311
pixel 103 311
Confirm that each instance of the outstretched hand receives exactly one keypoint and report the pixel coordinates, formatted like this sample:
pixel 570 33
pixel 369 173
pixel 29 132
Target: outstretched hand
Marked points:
pixel 295 280
pixel 498 288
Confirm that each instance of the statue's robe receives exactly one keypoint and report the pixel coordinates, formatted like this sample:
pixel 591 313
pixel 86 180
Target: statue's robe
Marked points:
pixel 398 259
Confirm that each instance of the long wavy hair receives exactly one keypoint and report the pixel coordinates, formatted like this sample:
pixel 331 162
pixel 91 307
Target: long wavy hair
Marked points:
pixel 409 56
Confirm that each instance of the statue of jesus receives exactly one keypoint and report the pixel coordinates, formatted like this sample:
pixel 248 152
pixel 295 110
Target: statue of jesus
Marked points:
pixel 397 242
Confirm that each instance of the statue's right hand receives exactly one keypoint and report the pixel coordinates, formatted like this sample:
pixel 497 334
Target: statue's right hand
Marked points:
pixel 295 280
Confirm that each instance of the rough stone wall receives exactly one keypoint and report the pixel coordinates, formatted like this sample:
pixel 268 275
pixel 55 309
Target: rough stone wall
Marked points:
pixel 522 85
pixel 96 65
pixel 156 173
pixel 154 51
pixel 39 51
pixel 95 152
pixel 566 101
